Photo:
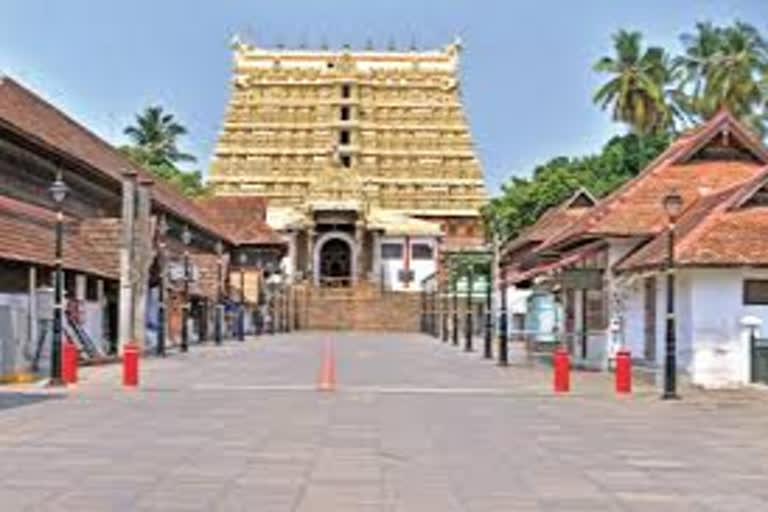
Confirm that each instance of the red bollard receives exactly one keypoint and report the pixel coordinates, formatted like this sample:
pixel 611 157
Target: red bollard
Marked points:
pixel 131 365
pixel 623 371
pixel 69 355
pixel 562 364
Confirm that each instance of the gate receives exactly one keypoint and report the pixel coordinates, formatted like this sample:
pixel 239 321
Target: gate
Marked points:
pixel 759 360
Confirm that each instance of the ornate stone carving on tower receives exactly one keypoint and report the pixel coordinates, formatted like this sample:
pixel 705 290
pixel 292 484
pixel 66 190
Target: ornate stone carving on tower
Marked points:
pixel 347 141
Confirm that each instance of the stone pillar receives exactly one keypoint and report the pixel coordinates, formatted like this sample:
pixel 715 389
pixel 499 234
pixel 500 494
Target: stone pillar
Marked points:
pixel 292 254
pixel 142 260
pixel 125 318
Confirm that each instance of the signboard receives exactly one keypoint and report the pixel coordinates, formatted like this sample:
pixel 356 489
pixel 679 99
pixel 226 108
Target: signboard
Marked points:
pixel 176 271
pixel 582 278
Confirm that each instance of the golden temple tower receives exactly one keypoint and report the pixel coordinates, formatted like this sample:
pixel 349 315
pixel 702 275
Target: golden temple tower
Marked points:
pixel 371 145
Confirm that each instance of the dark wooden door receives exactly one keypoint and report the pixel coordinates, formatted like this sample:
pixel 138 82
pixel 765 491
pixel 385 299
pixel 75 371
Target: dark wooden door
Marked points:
pixel 760 360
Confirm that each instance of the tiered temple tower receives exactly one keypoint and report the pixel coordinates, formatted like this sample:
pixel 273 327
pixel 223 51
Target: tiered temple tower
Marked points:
pixel 357 152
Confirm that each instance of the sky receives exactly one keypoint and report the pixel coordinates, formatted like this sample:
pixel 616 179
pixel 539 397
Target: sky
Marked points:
pixel 526 72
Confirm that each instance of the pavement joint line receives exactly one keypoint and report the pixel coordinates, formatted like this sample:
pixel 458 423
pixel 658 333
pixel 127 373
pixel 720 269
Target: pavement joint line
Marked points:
pixel 395 390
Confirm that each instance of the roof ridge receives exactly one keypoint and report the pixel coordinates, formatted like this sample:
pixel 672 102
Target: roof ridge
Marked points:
pixel 666 158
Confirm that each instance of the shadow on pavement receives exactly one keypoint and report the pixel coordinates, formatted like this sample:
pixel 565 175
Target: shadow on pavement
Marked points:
pixel 9 400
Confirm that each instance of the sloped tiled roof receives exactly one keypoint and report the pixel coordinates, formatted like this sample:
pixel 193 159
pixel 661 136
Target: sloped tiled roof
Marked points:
pixel 715 231
pixel 242 217
pixel 553 221
pixel 27 234
pixel 24 112
pixel 635 209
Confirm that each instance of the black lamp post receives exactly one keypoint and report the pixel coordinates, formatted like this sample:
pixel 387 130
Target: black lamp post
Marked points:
pixel 673 205
pixel 288 301
pixel 468 331
pixel 186 237
pixel 488 352
pixel 444 315
pixel 455 308
pixel 503 321
pixel 435 324
pixel 58 190
pixel 162 230
pixel 217 327
pixel 242 259
pixel 272 305
pixel 424 308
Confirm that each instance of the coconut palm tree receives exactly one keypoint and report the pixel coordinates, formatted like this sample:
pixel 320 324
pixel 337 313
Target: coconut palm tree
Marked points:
pixel 637 91
pixel 725 67
pixel 155 136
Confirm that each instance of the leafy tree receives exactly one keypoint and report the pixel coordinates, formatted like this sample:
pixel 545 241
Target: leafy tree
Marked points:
pixel 523 200
pixel 637 90
pixel 156 135
pixel 155 147
pixel 725 67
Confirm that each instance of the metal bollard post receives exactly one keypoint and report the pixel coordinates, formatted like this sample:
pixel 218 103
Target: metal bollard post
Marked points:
pixel 131 365
pixel 623 371
pixel 562 366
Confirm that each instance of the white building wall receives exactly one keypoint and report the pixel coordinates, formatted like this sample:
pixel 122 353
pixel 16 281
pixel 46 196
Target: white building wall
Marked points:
pixel 712 345
pixel 721 353
pixel 421 268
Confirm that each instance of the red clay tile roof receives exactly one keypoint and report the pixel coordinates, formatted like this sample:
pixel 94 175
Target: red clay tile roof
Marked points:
pixel 27 234
pixel 242 217
pixel 635 208
pixel 567 259
pixel 37 120
pixel 552 221
pixel 715 231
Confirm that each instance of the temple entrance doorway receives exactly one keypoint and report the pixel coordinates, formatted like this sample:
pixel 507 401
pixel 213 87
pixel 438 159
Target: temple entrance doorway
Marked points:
pixel 336 263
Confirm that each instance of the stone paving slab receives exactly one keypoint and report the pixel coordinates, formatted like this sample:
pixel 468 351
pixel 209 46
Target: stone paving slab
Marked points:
pixel 415 425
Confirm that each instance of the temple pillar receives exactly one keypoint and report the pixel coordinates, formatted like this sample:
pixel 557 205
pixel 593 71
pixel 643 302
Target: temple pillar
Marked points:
pixel 376 272
pixel 310 254
pixel 359 252
pixel 125 314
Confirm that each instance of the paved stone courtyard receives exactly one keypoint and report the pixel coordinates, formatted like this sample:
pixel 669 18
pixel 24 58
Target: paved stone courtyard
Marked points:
pixel 415 425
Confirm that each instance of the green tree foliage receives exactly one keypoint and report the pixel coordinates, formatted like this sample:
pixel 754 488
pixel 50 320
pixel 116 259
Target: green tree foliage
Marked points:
pixel 154 138
pixel 523 200
pixel 724 67
pixel 637 89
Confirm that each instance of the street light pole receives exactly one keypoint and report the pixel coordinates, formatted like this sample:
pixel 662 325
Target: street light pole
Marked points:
pixel 503 321
pixel 435 314
pixel 58 191
pixel 241 315
pixel 673 204
pixel 468 330
pixel 186 237
pixel 444 315
pixel 219 277
pixel 455 318
pixel 488 352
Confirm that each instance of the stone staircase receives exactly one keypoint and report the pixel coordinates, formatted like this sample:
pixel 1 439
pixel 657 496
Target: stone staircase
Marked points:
pixel 363 307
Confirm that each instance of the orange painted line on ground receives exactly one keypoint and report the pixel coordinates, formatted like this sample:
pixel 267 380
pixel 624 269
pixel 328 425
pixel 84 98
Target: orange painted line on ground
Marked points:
pixel 327 378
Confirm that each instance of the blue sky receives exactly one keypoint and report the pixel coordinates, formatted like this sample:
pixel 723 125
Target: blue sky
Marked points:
pixel 527 79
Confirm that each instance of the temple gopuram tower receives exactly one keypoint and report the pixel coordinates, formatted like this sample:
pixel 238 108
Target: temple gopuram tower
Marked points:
pixel 365 158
